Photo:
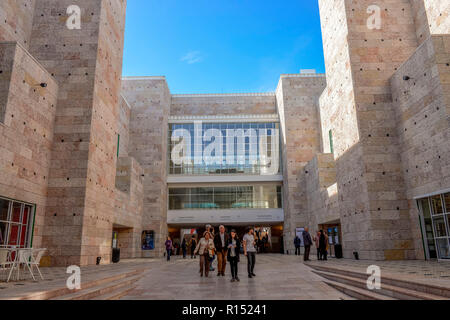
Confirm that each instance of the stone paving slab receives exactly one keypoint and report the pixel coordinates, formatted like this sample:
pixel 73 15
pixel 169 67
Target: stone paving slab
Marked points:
pixel 56 277
pixel 278 277
pixel 420 271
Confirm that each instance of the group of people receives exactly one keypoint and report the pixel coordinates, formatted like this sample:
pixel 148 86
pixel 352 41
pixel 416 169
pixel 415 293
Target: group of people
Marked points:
pixel 224 246
pixel 320 240
pixel 173 249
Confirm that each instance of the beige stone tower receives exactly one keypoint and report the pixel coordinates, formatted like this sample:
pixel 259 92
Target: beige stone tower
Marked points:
pixel 87 64
pixel 358 108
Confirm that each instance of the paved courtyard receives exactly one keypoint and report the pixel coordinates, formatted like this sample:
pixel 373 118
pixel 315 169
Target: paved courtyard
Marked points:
pixel 278 277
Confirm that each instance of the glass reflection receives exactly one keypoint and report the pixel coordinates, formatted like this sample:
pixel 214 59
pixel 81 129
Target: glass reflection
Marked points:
pixel 237 197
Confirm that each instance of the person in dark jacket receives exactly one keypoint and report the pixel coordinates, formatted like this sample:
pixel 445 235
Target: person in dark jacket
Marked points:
pixel 220 242
pixel 193 244
pixel 297 243
pixel 307 241
pixel 184 248
pixel 234 251
pixel 323 242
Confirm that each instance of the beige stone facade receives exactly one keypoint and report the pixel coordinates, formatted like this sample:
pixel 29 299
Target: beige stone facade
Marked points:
pixel 89 149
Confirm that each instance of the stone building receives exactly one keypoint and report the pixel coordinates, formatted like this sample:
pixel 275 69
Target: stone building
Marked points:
pixel 87 157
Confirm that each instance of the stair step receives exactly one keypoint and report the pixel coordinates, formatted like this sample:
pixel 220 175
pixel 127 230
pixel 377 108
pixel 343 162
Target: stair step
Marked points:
pixel 63 290
pixel 387 290
pixel 355 292
pixel 116 294
pixel 429 289
pixel 105 288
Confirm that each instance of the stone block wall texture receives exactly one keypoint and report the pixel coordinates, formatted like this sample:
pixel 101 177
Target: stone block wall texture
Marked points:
pixel 16 19
pixel 124 127
pixel 375 222
pixel 423 117
pixel 150 101
pixel 297 104
pixel 319 181
pixel 225 104
pixel 87 65
pixel 26 133
pixel 129 206
pixel 431 17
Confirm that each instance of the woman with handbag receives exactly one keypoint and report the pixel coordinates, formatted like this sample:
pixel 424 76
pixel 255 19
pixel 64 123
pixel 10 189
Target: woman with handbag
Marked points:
pixel 205 248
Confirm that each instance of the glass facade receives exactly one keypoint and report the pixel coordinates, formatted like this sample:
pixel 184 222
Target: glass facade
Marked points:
pixel 16 219
pixel 226 197
pixel 224 148
pixel 436 214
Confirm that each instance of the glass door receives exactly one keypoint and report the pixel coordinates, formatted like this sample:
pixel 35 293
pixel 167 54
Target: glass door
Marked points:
pixel 435 217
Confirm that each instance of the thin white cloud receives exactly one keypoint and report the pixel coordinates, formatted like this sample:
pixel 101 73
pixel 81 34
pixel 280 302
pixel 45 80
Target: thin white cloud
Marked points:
pixel 192 57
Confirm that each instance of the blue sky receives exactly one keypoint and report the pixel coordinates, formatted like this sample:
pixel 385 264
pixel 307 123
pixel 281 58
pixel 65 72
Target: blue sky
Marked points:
pixel 226 46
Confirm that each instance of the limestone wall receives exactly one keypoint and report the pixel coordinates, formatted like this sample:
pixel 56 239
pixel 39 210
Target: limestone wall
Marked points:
pixel 124 127
pixel 26 133
pixel 226 104
pixel 16 18
pixel 372 200
pixel 149 99
pixel 319 181
pixel 87 65
pixel 129 206
pixel 297 105
pixel 422 115
pixel 431 17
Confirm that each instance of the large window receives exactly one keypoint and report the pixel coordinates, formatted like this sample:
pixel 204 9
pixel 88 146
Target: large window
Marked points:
pixel 224 148
pixel 16 219
pixel 436 215
pixel 236 197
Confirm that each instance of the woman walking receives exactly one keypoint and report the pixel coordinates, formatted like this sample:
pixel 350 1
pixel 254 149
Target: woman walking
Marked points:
pixel 169 247
pixel 234 250
pixel 205 248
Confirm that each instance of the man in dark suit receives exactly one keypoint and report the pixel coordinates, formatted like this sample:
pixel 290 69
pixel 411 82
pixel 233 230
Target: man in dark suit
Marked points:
pixel 220 242
pixel 307 241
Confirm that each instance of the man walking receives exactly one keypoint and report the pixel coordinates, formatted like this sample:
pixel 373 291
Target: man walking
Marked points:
pixel 250 251
pixel 307 242
pixel 297 243
pixel 220 242
pixel 193 245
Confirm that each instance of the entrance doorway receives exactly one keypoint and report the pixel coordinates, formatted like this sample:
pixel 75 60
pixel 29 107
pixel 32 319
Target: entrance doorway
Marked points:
pixel 333 230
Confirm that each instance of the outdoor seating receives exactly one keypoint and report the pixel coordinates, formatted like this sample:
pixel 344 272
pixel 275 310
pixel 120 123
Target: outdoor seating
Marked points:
pixel 16 258
pixel 5 261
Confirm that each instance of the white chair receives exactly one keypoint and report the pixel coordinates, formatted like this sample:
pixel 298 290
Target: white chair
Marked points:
pixel 5 262
pixel 36 256
pixel 28 257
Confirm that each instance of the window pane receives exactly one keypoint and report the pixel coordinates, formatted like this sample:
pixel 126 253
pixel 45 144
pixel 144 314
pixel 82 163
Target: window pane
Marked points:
pixel 443 248
pixel 439 226
pixel 436 204
pixel 26 214
pixel 23 236
pixel 17 207
pixel 4 204
pixel 13 234
pixel 447 202
pixel 425 208
pixel 3 228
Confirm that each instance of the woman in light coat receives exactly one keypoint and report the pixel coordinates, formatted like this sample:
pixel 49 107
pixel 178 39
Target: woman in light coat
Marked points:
pixel 205 248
